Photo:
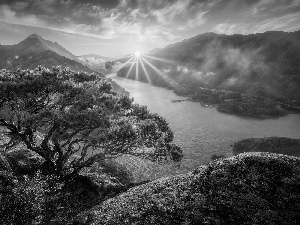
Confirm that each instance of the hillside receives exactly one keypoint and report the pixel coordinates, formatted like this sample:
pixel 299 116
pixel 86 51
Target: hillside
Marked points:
pixel 34 51
pixel 254 75
pixel 264 64
pixel 100 57
pixel 139 74
pixel 252 188
pixel 95 62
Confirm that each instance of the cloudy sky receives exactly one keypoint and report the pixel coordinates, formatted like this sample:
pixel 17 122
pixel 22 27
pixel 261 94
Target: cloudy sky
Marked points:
pixel 115 28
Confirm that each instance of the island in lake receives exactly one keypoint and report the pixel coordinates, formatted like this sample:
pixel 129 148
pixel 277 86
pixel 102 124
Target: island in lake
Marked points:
pixel 278 145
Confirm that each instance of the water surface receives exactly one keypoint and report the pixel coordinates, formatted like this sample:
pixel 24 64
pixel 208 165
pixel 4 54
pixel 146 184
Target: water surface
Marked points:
pixel 202 132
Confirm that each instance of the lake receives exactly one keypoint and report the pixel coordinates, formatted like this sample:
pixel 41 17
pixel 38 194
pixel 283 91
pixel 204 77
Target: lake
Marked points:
pixel 202 132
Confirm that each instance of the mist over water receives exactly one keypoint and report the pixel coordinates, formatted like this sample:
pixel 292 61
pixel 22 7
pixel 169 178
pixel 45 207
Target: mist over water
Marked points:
pixel 202 132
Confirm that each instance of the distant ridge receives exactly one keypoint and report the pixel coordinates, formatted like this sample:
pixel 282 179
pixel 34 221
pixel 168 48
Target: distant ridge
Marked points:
pixel 104 58
pixel 40 43
pixel 34 51
pixel 256 64
pixel 95 62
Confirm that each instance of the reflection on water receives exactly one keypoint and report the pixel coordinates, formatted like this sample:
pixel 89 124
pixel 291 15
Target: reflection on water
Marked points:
pixel 202 132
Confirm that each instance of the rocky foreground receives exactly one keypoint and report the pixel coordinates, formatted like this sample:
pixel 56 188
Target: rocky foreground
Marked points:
pixel 251 188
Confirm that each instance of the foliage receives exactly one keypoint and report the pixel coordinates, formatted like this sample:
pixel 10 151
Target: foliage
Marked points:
pixel 217 157
pixel 264 64
pixel 113 169
pixel 73 120
pixel 252 188
pixel 28 200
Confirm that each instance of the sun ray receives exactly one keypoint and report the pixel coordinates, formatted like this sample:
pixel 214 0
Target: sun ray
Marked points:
pixel 163 75
pixel 123 64
pixel 127 56
pixel 160 59
pixel 131 67
pixel 145 71
pixel 154 68
pixel 137 68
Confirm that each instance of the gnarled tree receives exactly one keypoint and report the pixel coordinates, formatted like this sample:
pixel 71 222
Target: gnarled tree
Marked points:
pixel 73 120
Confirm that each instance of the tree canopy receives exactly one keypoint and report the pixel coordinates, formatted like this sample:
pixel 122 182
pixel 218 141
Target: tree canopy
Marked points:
pixel 74 119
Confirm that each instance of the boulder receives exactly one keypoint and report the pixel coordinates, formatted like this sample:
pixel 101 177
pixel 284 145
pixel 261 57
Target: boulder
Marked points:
pixel 251 188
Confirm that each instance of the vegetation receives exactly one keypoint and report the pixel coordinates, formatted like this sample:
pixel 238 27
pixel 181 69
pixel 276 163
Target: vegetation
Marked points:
pixel 29 200
pixel 261 68
pixel 252 107
pixel 73 120
pixel 252 188
pixel 264 64
pixel 63 123
pixel 278 145
pixel 234 102
pixel 34 51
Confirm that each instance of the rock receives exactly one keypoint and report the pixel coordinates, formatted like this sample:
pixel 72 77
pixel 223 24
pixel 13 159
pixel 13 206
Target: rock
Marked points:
pixel 94 187
pixel 22 162
pixel 251 188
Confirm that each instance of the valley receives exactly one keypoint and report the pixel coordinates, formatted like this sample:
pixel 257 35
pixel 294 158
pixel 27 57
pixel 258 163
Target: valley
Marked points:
pixel 250 75
pixel 203 131
pixel 134 112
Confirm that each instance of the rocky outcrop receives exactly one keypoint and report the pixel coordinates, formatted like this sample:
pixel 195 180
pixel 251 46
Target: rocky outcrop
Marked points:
pixel 252 188
pixel 278 145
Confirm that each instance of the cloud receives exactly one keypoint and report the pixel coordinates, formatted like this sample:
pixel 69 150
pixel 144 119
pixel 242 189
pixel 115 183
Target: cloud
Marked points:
pixel 287 23
pixel 290 22
pixel 195 22
pixel 20 5
pixel 153 23
pixel 10 16
pixel 167 15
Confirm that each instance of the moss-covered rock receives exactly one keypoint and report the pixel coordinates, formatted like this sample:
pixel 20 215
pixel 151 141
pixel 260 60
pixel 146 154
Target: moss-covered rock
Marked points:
pixel 252 188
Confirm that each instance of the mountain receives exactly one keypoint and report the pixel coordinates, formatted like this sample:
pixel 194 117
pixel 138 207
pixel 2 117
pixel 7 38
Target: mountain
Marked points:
pixel 36 43
pixel 138 73
pixel 251 188
pixel 94 62
pixel 99 57
pixel 249 75
pixel 34 51
pixel 256 64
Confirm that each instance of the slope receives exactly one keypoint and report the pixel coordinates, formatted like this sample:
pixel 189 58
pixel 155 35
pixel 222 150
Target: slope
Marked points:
pixel 34 51
pixel 252 188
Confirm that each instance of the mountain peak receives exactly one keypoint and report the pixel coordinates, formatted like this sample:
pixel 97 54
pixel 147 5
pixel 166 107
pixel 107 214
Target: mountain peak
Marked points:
pixel 36 43
pixel 35 36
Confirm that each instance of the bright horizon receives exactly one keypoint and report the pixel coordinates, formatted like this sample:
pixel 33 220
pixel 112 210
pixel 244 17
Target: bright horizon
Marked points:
pixel 115 28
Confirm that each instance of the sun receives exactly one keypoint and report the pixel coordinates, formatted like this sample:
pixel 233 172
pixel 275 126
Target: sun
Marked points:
pixel 137 54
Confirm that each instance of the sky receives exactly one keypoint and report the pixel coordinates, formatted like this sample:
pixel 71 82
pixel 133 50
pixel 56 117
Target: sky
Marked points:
pixel 115 28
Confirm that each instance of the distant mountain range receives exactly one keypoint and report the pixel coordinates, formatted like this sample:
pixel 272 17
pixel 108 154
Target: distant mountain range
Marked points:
pixel 264 64
pixel 255 75
pixel 35 50
pixel 99 57
pixel 95 62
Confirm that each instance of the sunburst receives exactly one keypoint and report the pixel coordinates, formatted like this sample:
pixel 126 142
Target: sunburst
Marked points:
pixel 137 54
pixel 138 58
